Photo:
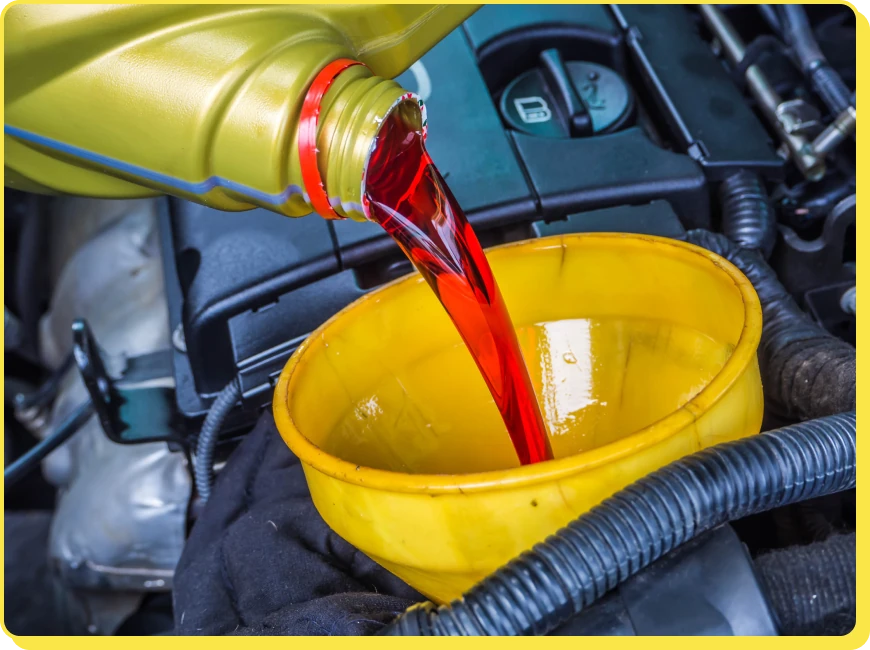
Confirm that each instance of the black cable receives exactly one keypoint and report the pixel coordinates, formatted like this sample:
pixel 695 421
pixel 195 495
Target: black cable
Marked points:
pixel 31 459
pixel 45 394
pixel 559 577
pixel 203 462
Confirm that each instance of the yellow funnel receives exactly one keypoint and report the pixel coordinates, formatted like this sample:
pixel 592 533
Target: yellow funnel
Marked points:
pixel 642 350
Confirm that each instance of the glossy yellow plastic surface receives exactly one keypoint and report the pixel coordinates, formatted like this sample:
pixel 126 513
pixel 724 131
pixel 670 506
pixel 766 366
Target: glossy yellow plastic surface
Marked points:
pixel 642 350
pixel 200 101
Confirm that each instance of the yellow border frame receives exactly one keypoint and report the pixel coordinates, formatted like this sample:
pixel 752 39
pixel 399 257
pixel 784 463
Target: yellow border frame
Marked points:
pixel 856 639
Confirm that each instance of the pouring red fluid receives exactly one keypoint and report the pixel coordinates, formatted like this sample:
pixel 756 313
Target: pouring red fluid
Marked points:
pixel 407 196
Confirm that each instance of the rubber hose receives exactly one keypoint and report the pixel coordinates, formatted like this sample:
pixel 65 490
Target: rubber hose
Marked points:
pixel 203 462
pixel 806 371
pixel 799 35
pixel 47 392
pixel 768 12
pixel 546 586
pixel 812 588
pixel 30 460
pixel 747 218
pixel 823 78
pixel 830 87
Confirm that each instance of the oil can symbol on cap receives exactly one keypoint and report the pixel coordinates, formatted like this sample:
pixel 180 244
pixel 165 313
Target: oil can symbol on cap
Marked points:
pixel 567 99
pixel 533 110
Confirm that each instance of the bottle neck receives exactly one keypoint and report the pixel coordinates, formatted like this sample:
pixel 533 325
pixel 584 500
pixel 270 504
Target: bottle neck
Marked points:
pixel 352 113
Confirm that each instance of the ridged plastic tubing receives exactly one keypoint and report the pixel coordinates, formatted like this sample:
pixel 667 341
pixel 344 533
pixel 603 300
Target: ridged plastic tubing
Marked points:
pixel 203 462
pixel 747 218
pixel 546 586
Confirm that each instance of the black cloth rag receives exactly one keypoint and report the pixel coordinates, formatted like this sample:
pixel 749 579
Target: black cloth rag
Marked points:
pixel 260 560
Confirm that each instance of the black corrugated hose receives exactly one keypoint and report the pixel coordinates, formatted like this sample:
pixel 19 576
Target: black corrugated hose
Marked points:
pixel 823 78
pixel 807 372
pixel 747 218
pixel 203 462
pixel 554 581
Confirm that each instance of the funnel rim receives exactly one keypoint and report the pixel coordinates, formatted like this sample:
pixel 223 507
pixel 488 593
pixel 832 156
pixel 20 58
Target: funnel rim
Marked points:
pixel 670 425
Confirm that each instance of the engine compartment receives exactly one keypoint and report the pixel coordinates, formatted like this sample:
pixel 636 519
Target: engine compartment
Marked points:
pixel 544 120
pixel 249 290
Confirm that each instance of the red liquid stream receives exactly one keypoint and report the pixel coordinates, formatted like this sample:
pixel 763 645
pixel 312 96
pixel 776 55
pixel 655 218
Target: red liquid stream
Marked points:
pixel 407 196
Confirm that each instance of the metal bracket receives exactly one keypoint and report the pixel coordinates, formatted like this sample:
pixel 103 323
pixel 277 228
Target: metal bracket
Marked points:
pixel 799 117
pixel 805 265
pixel 106 401
pixel 131 408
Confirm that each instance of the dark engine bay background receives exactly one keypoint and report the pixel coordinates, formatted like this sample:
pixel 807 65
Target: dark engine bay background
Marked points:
pixel 663 122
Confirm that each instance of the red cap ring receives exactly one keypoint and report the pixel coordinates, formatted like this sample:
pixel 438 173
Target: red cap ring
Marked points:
pixel 308 118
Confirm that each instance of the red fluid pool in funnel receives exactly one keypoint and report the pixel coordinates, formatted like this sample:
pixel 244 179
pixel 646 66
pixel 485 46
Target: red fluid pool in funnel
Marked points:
pixel 407 196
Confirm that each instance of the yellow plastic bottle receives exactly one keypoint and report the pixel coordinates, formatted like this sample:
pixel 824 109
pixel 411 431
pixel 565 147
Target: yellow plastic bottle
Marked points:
pixel 203 101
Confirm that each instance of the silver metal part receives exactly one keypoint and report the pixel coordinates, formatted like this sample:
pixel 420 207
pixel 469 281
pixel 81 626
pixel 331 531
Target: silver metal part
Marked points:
pixel 34 418
pixel 121 514
pixel 837 131
pixel 799 117
pixel 800 149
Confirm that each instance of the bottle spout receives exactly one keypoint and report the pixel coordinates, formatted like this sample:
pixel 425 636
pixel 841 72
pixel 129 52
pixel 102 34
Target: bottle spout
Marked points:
pixel 341 117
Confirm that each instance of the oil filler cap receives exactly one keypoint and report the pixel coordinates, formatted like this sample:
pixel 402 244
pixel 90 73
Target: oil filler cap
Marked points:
pixel 566 99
